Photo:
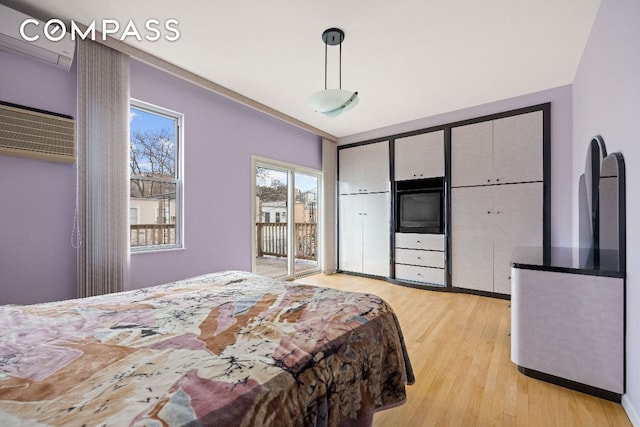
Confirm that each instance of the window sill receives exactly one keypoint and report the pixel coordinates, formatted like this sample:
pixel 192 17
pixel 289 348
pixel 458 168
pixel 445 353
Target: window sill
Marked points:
pixel 156 249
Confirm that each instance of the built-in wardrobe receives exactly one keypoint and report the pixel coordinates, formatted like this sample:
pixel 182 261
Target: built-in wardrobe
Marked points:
pixel 364 201
pixel 492 177
pixel 497 197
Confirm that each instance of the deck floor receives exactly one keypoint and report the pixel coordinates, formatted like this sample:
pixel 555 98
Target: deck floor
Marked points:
pixel 276 267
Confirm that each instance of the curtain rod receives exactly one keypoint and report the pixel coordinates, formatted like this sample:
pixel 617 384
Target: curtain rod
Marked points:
pixel 205 83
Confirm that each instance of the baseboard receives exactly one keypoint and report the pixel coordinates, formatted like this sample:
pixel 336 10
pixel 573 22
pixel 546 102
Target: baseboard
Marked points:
pixel 632 413
pixel 583 388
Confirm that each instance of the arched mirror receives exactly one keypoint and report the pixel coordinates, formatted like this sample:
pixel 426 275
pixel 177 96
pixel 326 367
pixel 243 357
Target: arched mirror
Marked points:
pixel 611 212
pixel 595 153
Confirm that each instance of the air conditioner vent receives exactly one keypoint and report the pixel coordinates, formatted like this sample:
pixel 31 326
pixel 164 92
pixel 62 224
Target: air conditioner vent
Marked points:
pixel 37 134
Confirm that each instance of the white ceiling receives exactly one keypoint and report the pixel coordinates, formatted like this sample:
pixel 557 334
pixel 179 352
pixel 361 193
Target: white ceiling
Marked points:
pixel 408 59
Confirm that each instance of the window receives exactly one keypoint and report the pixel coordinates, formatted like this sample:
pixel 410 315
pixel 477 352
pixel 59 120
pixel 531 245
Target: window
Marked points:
pixel 134 214
pixel 156 177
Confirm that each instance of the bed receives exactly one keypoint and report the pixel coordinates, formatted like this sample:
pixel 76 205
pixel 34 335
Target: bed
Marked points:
pixel 223 349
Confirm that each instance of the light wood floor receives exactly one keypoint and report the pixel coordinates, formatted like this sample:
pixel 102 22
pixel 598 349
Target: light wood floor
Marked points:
pixel 460 352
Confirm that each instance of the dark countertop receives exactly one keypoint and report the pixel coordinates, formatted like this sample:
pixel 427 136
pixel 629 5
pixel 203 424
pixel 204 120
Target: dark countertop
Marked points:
pixel 568 260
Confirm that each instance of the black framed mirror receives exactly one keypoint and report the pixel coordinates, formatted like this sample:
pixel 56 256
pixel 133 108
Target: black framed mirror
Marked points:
pixel 588 193
pixel 596 152
pixel 611 241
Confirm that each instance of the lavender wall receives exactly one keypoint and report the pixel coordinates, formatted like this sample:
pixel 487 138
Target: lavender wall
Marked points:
pixel 37 259
pixel 220 138
pixel 37 198
pixel 561 148
pixel 606 101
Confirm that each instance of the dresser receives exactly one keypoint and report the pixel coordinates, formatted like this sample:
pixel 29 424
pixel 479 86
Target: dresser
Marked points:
pixel 567 319
pixel 420 258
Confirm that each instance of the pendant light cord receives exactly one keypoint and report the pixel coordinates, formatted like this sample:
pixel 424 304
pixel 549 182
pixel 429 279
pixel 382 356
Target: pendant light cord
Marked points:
pixel 326 46
pixel 325 65
pixel 340 67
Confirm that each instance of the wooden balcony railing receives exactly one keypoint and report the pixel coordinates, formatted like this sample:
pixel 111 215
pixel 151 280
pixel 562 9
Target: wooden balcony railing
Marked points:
pixel 272 239
pixel 152 234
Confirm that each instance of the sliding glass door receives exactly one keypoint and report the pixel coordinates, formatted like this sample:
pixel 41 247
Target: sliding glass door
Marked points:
pixel 285 233
pixel 306 223
pixel 272 231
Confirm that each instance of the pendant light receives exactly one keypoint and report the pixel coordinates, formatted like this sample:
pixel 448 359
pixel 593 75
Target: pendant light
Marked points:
pixel 332 102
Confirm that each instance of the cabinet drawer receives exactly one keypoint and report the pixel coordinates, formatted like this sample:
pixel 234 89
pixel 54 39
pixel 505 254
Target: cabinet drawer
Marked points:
pixel 418 257
pixel 420 274
pixel 434 242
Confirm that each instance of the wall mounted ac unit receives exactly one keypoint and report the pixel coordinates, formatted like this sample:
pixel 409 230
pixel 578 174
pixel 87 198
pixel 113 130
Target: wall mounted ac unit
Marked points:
pixel 37 134
pixel 59 53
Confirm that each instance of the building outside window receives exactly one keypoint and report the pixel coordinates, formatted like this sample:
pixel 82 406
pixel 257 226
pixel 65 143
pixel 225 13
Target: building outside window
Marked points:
pixel 156 177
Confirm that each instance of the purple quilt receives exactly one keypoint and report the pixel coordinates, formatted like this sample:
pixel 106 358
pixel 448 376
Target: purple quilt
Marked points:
pixel 224 349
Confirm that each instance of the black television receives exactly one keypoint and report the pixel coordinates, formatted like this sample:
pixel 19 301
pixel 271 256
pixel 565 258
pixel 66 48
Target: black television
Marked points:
pixel 420 212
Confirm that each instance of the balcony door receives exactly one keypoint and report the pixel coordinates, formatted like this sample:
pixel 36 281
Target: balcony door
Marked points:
pixel 285 219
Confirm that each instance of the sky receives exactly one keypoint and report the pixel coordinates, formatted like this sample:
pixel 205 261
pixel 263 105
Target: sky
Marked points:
pixel 141 120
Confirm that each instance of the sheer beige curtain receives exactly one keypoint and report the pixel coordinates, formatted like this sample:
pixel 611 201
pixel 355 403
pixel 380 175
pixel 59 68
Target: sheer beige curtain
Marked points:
pixel 103 162
pixel 329 180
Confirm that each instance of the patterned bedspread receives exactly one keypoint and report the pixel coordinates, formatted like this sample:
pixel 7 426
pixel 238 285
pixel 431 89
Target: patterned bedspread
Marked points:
pixel 224 349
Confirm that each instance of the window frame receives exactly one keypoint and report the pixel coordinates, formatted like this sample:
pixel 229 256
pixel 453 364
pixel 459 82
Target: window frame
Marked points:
pixel 178 178
pixel 291 169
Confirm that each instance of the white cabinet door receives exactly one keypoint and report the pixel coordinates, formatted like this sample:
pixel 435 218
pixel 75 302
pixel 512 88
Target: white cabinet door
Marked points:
pixel 350 171
pixel 364 169
pixel 376 233
pixel 365 232
pixel 518 222
pixel 487 223
pixel 517 148
pixel 374 159
pixel 419 156
pixel 350 232
pixel 472 154
pixel 472 238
